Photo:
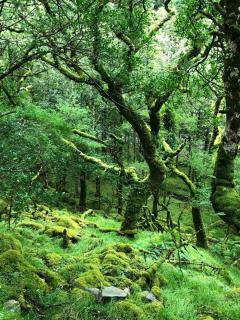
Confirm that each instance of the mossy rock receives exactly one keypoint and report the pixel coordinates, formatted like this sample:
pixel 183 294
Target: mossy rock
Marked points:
pixel 8 242
pixel 67 222
pixel 129 310
pixel 32 225
pixel 78 293
pixel 53 259
pixel 124 247
pixel 18 274
pixel 234 293
pixel 114 263
pixel 91 279
pixel 23 279
pixel 58 231
pixel 156 291
pixel 153 308
pixel 72 270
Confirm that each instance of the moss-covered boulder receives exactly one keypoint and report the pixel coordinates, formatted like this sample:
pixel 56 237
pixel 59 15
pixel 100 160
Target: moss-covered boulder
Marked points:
pixel 67 222
pixel 32 225
pixel 53 259
pixel 91 279
pixel 58 231
pixel 22 279
pixel 8 242
pixel 127 309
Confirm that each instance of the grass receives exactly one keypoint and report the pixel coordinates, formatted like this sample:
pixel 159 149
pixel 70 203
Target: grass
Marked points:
pixel 191 293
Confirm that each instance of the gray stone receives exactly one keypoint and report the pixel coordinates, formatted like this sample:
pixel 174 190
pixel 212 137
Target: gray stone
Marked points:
pixel 13 306
pixel 95 291
pixel 114 292
pixel 148 296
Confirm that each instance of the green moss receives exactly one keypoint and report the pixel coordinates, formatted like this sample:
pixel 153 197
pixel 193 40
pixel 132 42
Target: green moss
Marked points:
pixel 8 242
pixel 77 293
pixel 19 275
pixel 32 225
pixel 92 278
pixel 153 308
pixel 129 310
pixel 53 259
pixel 124 247
pixel 156 291
pixel 234 293
pixel 58 231
pixel 67 222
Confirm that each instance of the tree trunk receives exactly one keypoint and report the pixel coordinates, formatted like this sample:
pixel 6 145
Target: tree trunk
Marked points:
pixel 199 228
pixel 97 202
pixel 83 192
pixel 137 196
pixel 225 198
pixel 119 196
pixel 155 204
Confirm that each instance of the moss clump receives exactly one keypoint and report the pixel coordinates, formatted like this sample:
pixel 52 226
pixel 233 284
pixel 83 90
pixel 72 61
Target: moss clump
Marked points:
pixel 91 279
pixel 153 308
pixel 227 200
pixel 124 247
pixel 19 275
pixel 32 225
pixel 8 242
pixel 77 293
pixel 58 231
pixel 156 291
pixel 234 293
pixel 53 259
pixel 67 222
pixel 114 263
pixel 129 310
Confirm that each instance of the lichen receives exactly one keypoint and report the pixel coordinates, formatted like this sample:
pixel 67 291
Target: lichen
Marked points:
pixel 8 242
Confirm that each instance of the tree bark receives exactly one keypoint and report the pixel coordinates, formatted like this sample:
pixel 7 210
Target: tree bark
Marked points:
pixel 83 193
pixel 225 198
pixel 97 202
pixel 139 193
pixel 199 228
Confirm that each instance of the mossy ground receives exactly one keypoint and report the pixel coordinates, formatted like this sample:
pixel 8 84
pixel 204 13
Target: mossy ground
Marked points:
pixel 48 280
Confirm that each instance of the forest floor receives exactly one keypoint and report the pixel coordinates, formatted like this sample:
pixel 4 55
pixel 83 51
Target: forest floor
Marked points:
pixel 44 275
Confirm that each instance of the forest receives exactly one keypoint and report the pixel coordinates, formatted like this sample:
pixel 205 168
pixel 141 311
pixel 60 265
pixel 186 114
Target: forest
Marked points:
pixel 120 162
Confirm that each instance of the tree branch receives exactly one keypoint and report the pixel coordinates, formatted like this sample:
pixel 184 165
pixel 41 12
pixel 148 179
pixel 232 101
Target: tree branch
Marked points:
pixel 88 136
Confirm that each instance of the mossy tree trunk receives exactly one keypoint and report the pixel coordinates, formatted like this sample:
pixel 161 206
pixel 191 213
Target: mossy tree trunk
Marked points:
pixel 137 197
pixel 97 202
pixel 83 192
pixel 199 227
pixel 225 198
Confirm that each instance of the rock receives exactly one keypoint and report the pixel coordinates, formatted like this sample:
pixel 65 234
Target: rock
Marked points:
pixel 13 306
pixel 148 296
pixel 95 291
pixel 108 292
pixel 114 292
